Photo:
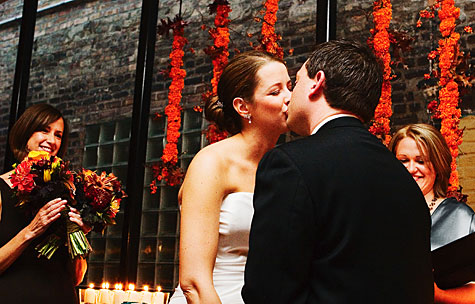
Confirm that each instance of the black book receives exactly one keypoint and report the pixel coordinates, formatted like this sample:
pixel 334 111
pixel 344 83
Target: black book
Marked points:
pixel 454 263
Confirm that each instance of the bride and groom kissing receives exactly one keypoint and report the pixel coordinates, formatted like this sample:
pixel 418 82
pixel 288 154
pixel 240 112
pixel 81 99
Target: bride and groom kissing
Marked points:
pixel 332 217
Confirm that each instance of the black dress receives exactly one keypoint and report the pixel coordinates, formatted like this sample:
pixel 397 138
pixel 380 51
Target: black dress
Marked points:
pixel 31 279
pixel 451 220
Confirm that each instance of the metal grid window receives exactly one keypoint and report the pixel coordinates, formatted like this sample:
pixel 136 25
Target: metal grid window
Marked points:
pixel 106 149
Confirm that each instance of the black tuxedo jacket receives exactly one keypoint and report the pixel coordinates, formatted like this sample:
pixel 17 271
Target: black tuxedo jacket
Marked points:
pixel 338 219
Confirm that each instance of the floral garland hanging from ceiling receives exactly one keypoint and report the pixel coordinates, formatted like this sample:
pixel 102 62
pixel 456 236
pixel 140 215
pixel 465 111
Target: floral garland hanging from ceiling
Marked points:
pixel 450 60
pixel 380 42
pixel 167 169
pixel 268 36
pixel 219 54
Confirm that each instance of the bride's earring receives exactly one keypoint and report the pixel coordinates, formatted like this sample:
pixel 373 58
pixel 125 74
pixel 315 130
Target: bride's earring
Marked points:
pixel 248 117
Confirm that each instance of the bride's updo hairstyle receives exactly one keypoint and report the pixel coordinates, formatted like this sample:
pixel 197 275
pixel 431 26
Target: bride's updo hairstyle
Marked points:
pixel 239 79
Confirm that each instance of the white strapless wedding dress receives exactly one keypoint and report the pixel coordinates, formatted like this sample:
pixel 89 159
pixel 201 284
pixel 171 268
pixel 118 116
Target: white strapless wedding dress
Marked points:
pixel 233 244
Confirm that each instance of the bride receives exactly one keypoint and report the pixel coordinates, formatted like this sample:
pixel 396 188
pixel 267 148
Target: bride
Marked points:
pixel 216 196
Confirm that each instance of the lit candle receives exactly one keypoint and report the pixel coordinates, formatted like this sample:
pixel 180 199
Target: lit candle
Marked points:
pixel 146 295
pixel 158 297
pixel 119 295
pixel 132 295
pixel 105 295
pixel 90 295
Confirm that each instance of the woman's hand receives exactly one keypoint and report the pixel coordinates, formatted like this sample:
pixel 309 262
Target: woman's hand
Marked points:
pixel 75 217
pixel 45 217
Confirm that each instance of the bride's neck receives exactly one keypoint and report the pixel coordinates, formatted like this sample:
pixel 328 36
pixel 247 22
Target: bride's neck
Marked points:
pixel 257 144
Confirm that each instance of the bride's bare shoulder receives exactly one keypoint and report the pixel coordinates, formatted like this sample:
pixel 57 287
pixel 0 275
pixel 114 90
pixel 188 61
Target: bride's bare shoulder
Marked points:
pixel 216 153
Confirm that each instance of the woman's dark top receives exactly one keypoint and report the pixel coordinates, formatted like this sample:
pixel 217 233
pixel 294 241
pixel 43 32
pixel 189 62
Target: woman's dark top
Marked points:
pixel 451 220
pixel 31 279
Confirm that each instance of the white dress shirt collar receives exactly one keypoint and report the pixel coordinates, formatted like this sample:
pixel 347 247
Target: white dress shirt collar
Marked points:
pixel 329 118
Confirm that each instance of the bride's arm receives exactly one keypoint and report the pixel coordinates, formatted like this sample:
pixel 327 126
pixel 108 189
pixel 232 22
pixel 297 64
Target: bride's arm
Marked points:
pixel 202 193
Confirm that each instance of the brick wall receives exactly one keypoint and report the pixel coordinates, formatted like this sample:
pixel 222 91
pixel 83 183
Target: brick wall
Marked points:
pixel 84 54
pixel 466 160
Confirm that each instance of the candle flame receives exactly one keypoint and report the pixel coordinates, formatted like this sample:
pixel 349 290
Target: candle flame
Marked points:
pixel 118 286
pixel 105 285
pixel 159 288
pixel 145 287
pixel 91 285
pixel 131 286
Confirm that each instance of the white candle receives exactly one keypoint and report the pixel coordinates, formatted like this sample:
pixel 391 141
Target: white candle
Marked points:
pixel 82 291
pixel 132 295
pixel 158 297
pixel 146 295
pixel 90 295
pixel 119 295
pixel 105 295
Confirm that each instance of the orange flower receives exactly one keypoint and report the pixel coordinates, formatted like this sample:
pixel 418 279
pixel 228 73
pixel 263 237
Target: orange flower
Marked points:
pixel 168 170
pixel 468 29
pixel 268 36
pixel 382 14
pixel 448 110
pixel 219 53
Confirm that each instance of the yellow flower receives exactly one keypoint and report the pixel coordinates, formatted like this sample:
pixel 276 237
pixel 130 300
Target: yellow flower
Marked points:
pixel 47 175
pixel 37 155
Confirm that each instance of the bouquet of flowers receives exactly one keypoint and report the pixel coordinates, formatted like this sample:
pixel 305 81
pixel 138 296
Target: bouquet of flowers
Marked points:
pixel 38 179
pixel 98 198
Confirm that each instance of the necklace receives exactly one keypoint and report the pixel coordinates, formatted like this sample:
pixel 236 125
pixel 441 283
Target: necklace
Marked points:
pixel 432 203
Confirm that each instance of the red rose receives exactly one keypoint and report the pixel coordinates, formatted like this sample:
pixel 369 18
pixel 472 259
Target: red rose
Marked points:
pixel 22 179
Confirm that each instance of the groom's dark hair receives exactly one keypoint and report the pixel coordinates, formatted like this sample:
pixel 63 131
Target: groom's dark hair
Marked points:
pixel 353 76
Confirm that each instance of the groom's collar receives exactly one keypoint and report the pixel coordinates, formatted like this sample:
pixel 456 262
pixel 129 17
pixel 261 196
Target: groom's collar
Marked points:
pixel 329 118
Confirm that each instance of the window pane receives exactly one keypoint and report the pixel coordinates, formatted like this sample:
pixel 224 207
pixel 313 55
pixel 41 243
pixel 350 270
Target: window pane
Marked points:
pixel 166 249
pixel 149 223
pixel 113 249
pixel 107 132
pixel 169 197
pixel 165 275
pixel 191 143
pixel 111 273
pixel 105 155
pixel 168 221
pixel 90 157
pixel 121 152
pixel 145 275
pixel 147 249
pixel 192 120
pixel 99 246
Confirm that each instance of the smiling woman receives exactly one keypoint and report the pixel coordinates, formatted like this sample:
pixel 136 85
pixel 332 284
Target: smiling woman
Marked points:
pixel 40 128
pixel 422 149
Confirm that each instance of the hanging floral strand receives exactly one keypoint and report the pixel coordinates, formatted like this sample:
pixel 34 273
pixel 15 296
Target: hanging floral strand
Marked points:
pixel 448 110
pixel 168 170
pixel 380 42
pixel 268 36
pixel 451 60
pixel 219 54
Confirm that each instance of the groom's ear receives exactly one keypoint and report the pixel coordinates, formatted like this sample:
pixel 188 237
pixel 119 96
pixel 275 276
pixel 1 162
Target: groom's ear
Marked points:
pixel 317 86
pixel 241 106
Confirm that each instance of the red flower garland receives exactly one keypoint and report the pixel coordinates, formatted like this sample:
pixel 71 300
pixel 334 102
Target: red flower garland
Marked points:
pixel 448 110
pixel 382 14
pixel 219 54
pixel 269 37
pixel 168 170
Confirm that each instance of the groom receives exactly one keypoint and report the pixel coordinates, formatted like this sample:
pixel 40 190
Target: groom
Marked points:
pixel 337 218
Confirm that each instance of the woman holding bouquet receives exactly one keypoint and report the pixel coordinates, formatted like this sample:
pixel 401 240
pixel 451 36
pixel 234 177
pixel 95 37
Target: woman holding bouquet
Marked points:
pixel 422 149
pixel 24 277
pixel 217 192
